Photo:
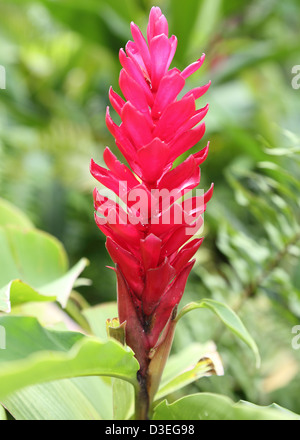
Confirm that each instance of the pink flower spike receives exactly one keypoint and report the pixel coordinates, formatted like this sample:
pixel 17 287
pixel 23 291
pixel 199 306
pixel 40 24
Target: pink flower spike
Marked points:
pixel 150 233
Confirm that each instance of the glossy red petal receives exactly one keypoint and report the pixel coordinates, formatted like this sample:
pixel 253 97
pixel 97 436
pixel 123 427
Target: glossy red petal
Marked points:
pixel 150 251
pixel 198 91
pixel 121 171
pixel 134 54
pixel 176 114
pixel 157 280
pixel 170 299
pixel 180 237
pixel 201 155
pixel 124 144
pixel 105 177
pixel 185 254
pixel 170 86
pixel 173 46
pixel 192 68
pixel 153 159
pixel 157 24
pixel 186 141
pixel 160 48
pixel 181 178
pixel 128 264
pixel 116 101
pixel 141 45
pixel 194 120
pixel 134 93
pixel 128 312
pixel 135 71
pixel 209 193
pixel 136 126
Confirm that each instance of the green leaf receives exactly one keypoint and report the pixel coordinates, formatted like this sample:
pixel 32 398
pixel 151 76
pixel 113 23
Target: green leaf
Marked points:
pixel 228 317
pixel 62 287
pixel 205 367
pixel 31 255
pixel 206 406
pixel 36 355
pixel 34 268
pixel 82 398
pixel 123 400
pixel 96 317
pixel 12 216
pixel 123 393
pixel 2 413
pixel 189 365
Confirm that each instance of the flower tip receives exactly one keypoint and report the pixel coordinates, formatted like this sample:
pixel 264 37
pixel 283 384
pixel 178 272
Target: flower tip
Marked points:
pixel 155 10
pixel 112 268
pixel 95 191
pixel 122 55
pixel 209 193
pixel 92 165
pixel 134 27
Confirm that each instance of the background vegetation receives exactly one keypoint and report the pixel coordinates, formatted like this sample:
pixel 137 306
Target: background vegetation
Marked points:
pixel 60 59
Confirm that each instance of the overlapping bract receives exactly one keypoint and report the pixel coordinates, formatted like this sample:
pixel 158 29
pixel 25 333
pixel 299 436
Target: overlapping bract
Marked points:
pixel 152 255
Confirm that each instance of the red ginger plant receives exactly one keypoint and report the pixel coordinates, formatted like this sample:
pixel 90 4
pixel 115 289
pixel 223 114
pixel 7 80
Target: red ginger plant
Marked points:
pixel 152 255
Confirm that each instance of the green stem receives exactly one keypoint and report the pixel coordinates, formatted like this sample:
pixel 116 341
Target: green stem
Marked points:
pixel 142 403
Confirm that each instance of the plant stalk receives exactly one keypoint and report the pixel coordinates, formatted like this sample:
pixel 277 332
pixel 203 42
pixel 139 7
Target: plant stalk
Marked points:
pixel 142 403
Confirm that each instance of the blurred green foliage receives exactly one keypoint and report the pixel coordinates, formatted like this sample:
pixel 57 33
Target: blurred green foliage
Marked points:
pixel 60 59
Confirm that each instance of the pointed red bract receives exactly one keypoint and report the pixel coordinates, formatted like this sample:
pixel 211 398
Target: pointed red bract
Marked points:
pixel 149 232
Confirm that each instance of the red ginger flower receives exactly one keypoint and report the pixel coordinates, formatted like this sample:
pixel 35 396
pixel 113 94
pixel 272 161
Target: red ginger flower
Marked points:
pixel 152 257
